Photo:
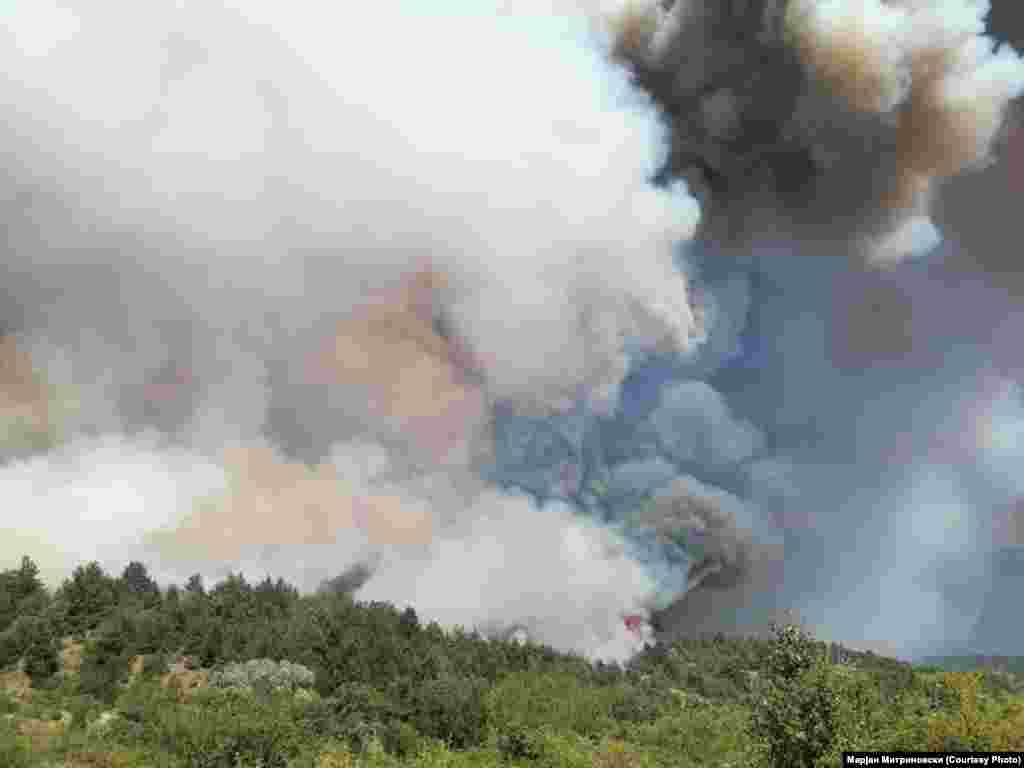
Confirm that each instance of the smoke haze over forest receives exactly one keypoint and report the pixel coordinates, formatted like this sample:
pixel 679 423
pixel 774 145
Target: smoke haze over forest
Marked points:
pixel 537 315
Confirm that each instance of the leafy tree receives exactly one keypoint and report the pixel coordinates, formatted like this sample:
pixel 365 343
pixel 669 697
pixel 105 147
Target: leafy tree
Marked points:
pixel 795 713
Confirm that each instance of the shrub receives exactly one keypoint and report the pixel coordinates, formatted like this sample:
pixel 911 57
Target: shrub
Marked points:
pixel 451 709
pixel 636 704
pixel 400 738
pixel 968 727
pixel 107 657
pixel 518 743
pixel 366 702
pixel 535 700
pixel 15 751
pixel 222 732
pixel 8 704
pixel 41 661
pixel 154 665
pixel 263 675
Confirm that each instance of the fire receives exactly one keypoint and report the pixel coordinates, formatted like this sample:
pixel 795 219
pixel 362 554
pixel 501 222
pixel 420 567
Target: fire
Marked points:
pixel 634 623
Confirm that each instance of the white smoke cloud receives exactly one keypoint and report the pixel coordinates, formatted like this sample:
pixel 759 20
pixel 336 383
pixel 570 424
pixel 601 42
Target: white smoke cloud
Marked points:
pixel 566 579
pixel 95 498
pixel 382 165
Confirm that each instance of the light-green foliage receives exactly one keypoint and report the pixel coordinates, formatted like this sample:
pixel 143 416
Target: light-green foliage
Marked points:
pixel 263 675
pixel 560 701
pixel 708 734
pixel 223 726
pixel 15 751
pixel 796 710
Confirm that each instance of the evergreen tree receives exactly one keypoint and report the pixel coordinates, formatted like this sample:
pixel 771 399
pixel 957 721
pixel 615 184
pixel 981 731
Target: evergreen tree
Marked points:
pixel 107 656
pixel 194 586
pixel 89 596
pixel 136 585
pixel 21 591
pixel 41 661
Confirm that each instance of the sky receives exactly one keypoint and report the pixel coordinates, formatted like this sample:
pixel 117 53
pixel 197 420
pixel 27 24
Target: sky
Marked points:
pixel 547 313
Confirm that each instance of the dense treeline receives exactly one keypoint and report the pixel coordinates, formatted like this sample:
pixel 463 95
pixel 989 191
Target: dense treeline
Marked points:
pixel 369 683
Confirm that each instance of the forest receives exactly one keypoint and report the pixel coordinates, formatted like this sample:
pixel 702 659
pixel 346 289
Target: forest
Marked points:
pixel 117 672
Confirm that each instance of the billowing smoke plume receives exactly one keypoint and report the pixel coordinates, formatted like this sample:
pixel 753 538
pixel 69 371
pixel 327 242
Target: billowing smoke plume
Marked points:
pixel 828 122
pixel 409 305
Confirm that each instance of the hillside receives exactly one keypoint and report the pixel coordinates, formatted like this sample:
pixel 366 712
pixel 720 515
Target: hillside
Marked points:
pixel 118 672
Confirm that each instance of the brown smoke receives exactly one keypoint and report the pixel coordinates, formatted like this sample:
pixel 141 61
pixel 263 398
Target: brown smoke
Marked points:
pixel 24 398
pixel 633 28
pixel 388 356
pixel 270 500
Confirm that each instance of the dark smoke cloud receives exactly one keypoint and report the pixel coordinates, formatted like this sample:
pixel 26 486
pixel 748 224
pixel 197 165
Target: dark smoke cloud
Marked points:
pixel 824 122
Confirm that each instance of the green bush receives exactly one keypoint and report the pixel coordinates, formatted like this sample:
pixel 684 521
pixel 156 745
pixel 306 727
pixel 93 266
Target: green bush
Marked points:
pixel 400 738
pixel 7 703
pixel 154 665
pixel 365 702
pixel 142 704
pixel 41 662
pixel 710 734
pixel 637 704
pixel 219 731
pixel 452 710
pixel 83 709
pixel 534 700
pixel 15 751
pixel 107 658
pixel 516 742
